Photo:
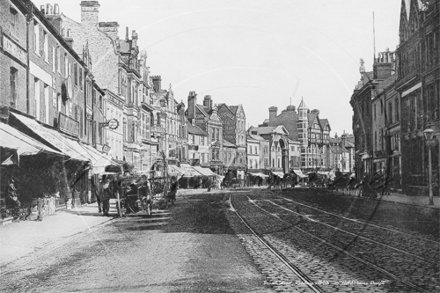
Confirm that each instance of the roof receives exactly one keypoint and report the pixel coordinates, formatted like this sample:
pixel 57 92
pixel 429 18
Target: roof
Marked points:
pixel 323 122
pixel 194 129
pixel 302 105
pixel 233 109
pixel 228 144
pixel 254 136
pixel 265 129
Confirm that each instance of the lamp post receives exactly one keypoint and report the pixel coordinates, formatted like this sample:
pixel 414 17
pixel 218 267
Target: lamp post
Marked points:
pixel 429 134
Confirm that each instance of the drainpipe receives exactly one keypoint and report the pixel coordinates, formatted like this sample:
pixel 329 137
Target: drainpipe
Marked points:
pixel 29 18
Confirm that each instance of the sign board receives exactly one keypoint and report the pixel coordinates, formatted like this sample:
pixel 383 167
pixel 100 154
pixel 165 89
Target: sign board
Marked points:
pixel 13 49
pixel 68 125
pixel 106 148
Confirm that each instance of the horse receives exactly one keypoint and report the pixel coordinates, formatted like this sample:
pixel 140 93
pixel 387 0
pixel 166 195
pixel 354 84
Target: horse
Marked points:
pixel 289 178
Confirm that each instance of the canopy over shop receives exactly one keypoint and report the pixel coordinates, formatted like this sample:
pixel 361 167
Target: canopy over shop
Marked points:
pixel 73 170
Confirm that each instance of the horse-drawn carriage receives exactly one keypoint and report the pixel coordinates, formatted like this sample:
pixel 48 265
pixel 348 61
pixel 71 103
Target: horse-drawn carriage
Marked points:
pixel 141 194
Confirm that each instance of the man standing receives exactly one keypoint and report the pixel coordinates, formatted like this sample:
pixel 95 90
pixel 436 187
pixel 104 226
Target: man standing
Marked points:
pixel 105 195
pixel 40 208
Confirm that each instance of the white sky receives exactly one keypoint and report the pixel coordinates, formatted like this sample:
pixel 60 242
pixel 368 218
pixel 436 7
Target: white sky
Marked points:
pixel 258 53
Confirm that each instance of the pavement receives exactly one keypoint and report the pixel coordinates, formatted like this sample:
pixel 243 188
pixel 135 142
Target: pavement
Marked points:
pixel 21 239
pixel 401 198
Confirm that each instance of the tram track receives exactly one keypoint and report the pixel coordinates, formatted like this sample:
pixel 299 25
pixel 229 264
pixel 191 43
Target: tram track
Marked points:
pixel 355 235
pixel 321 241
pixel 292 267
pixel 362 222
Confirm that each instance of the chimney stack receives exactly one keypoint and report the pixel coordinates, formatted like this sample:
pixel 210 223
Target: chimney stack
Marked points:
pixel 89 12
pixel 157 80
pixel 384 65
pixel 207 102
pixel 192 102
pixel 272 113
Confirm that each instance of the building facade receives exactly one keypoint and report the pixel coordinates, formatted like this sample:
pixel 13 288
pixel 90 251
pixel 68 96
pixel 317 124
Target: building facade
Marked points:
pixel 419 90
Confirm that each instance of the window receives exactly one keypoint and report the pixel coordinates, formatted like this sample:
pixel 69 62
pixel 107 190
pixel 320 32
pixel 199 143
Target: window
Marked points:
pixel 13 83
pixel 36 38
pixel 14 17
pixel 46 47
pixel 58 56
pixel 80 81
pixel 46 103
pixel 75 73
pixel 37 98
pixel 66 65
pixel 54 66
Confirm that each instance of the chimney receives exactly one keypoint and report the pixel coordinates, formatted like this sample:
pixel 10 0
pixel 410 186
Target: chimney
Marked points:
pixel 110 29
pixel 134 38
pixel 343 139
pixel 192 102
pixel 290 108
pixel 207 102
pixel 272 113
pixel 89 12
pixel 384 65
pixel 157 80
pixel 49 9
pixel 52 14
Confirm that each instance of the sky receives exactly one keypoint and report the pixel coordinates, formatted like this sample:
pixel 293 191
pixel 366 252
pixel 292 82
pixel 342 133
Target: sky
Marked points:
pixel 258 53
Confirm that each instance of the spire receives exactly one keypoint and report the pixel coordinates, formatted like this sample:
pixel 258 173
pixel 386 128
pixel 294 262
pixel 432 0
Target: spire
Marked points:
pixel 302 105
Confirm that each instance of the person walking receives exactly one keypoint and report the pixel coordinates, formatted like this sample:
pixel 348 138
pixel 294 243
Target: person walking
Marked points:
pixel 105 195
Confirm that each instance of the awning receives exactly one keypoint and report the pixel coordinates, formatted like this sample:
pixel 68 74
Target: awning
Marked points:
pixel 190 171
pixel 279 174
pixel 204 171
pixel 259 174
pixel 99 160
pixel 54 138
pixel 25 145
pixel 299 173
pixel 174 170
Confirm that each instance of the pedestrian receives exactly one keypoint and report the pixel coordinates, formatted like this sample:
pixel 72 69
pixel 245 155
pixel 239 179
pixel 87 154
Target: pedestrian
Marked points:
pixel 105 195
pixel 98 188
pixel 40 208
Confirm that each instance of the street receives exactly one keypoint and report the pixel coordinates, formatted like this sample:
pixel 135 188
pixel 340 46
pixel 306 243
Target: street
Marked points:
pixel 182 250
pixel 339 243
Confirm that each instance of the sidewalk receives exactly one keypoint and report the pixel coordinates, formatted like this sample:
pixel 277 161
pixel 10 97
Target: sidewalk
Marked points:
pixel 21 239
pixel 401 198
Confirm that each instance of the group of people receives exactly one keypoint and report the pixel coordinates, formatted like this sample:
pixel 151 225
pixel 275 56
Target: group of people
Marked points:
pixel 14 204
pixel 108 187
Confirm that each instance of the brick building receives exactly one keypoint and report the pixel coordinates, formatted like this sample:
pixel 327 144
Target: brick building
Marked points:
pixel 122 73
pixel 234 131
pixel 14 55
pixel 207 118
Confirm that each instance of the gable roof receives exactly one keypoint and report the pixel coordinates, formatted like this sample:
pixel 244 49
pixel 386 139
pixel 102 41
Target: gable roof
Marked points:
pixel 195 130
pixel 324 123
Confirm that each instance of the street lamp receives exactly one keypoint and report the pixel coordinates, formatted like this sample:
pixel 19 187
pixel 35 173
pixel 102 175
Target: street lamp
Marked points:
pixel 429 134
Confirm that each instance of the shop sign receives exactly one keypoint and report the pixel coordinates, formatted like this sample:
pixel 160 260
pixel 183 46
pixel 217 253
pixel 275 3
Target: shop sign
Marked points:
pixel 13 49
pixel 68 125
pixel 106 148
